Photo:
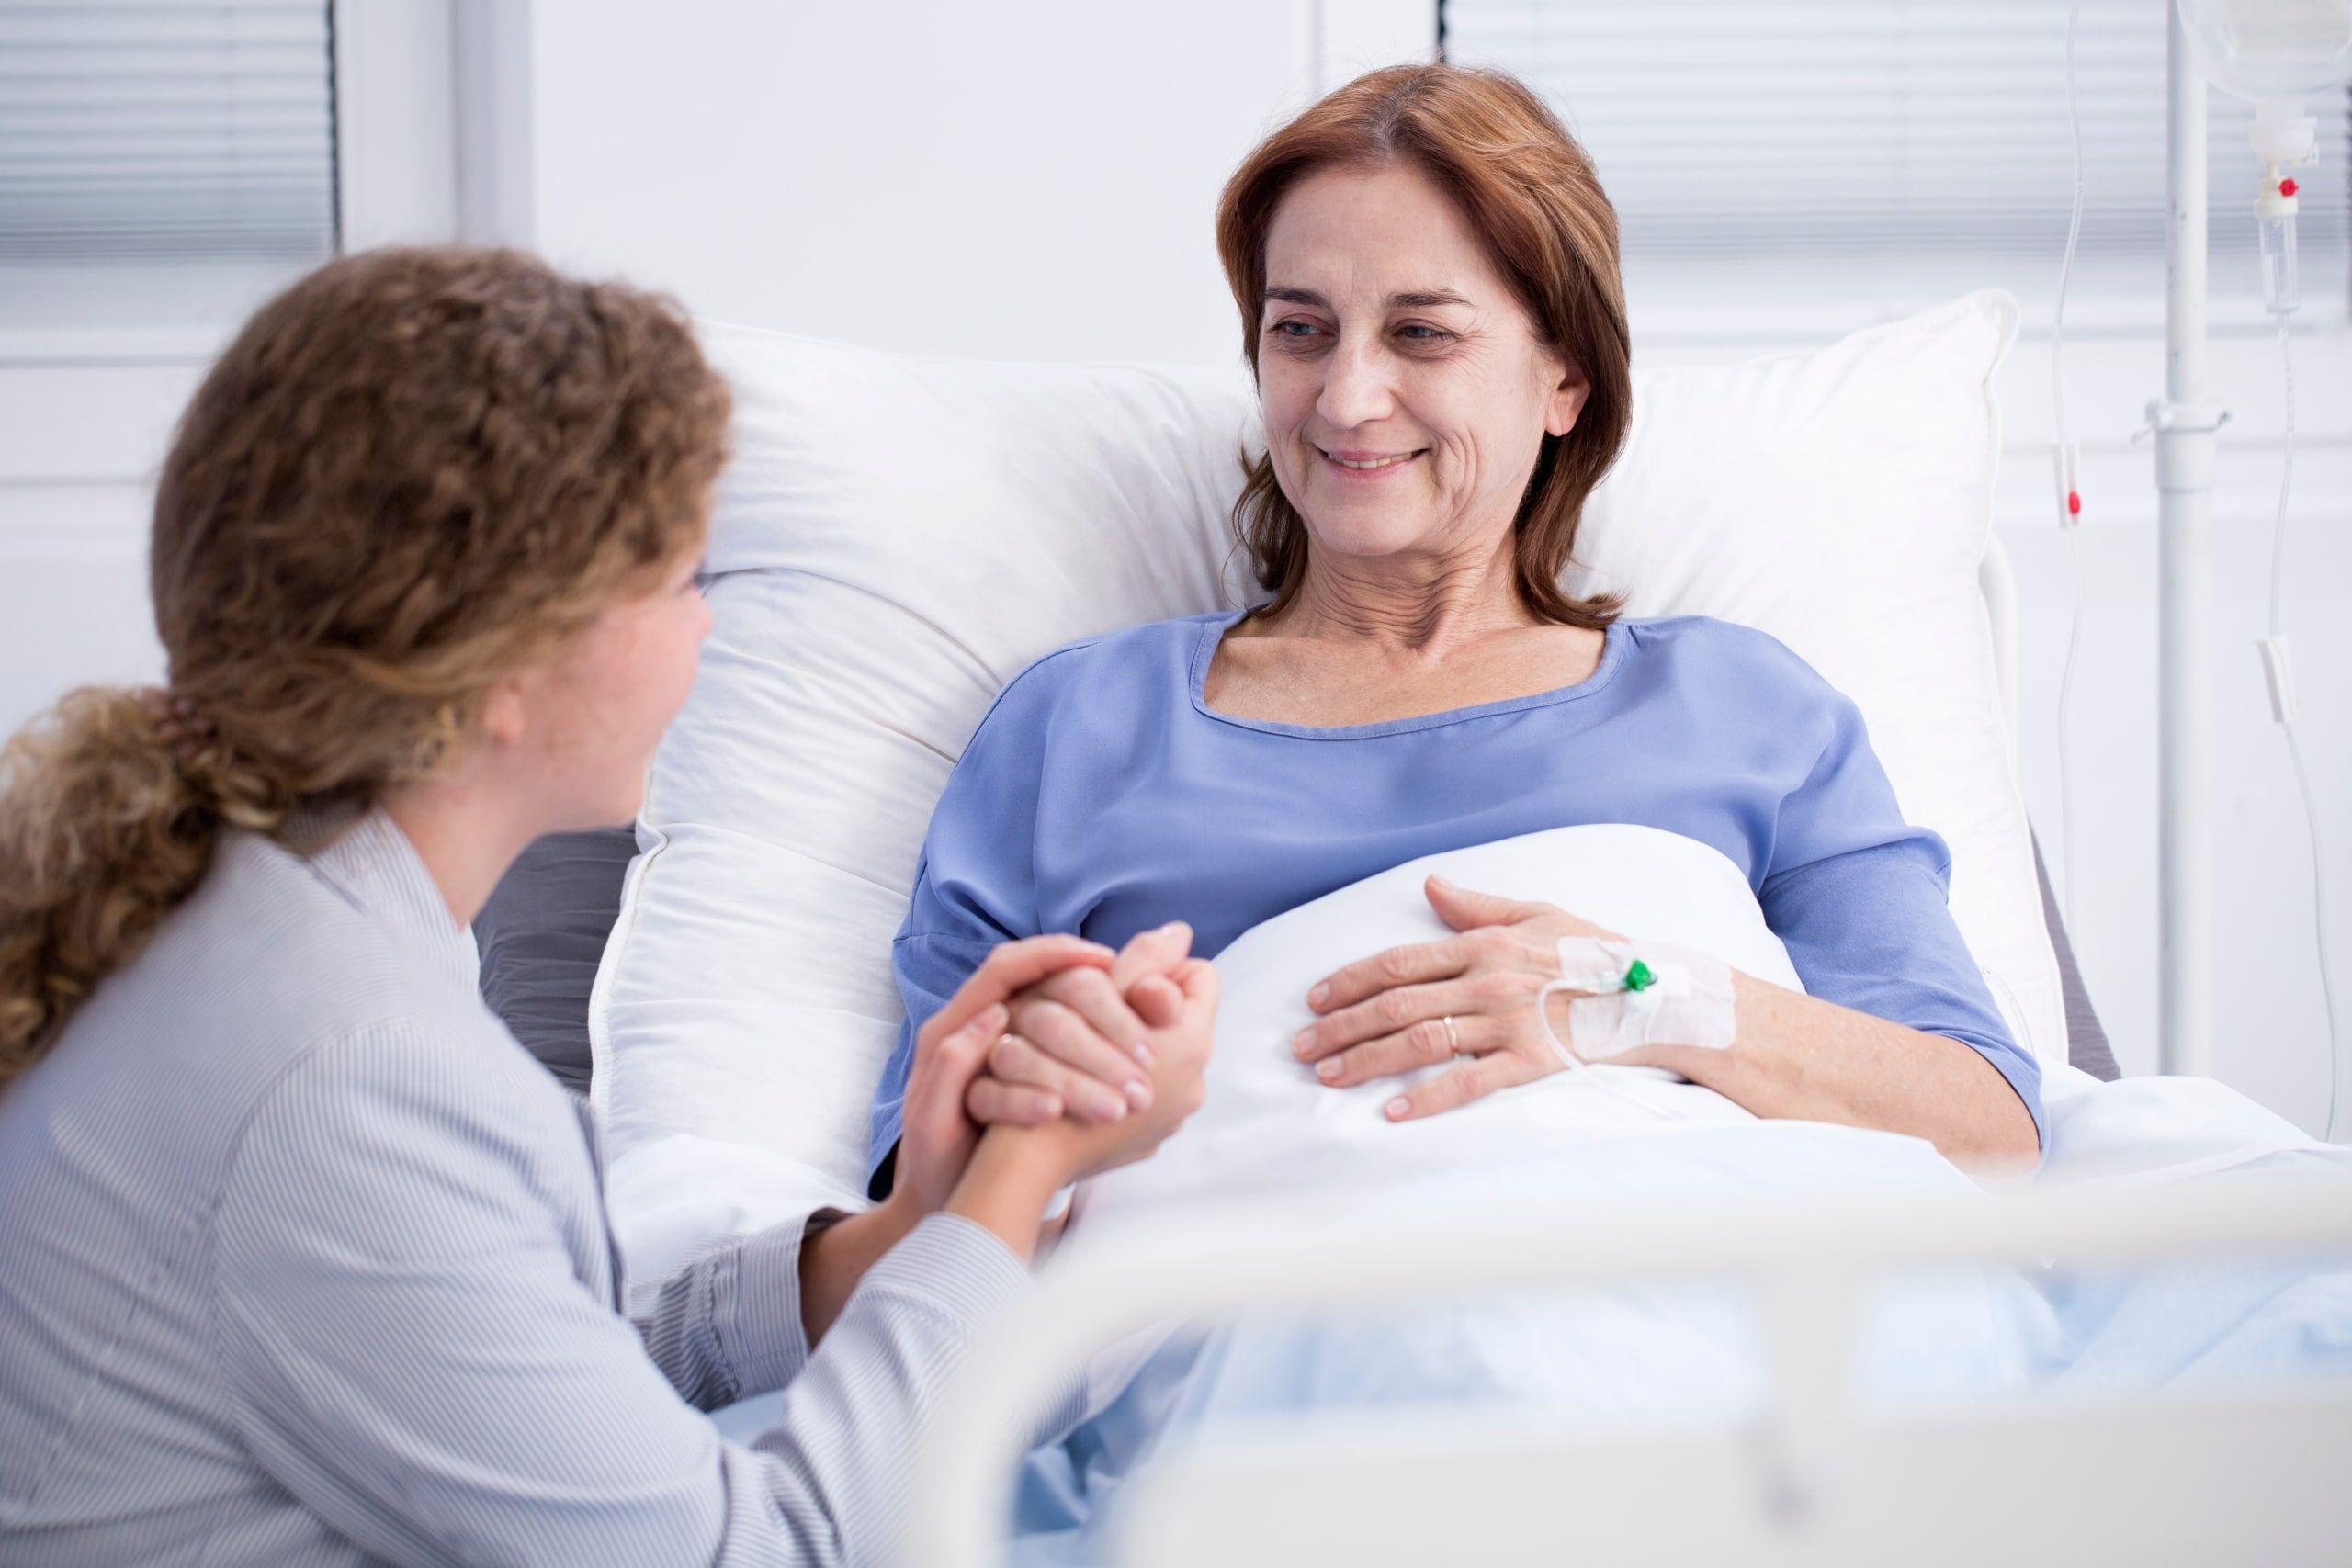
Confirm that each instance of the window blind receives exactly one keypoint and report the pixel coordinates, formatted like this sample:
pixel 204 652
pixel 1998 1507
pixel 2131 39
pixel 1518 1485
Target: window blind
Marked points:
pixel 162 130
pixel 1891 135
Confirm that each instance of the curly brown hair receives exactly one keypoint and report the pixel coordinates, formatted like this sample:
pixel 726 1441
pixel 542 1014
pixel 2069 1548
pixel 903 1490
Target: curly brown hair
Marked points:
pixel 413 474
pixel 1530 192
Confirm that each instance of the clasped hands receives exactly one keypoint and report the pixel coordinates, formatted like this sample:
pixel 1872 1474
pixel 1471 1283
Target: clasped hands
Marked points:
pixel 1091 1057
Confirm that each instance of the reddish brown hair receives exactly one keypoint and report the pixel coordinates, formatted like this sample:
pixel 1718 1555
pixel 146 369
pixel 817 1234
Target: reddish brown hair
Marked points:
pixel 413 474
pixel 1530 193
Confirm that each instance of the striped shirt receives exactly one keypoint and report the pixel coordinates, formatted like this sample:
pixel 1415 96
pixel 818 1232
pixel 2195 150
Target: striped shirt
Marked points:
pixel 303 1259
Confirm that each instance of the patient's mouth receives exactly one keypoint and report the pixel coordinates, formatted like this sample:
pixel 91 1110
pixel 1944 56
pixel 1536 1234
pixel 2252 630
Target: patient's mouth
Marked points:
pixel 1370 462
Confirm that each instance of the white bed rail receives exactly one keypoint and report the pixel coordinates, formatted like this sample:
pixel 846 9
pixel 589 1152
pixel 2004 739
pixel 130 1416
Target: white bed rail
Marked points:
pixel 2149 1481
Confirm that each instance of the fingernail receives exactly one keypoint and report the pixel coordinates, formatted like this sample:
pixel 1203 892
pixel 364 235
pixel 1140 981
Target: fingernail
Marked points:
pixel 1104 1106
pixel 1141 1051
pixel 1397 1106
pixel 1327 1068
pixel 1139 1094
pixel 1173 927
pixel 1300 1042
pixel 1319 994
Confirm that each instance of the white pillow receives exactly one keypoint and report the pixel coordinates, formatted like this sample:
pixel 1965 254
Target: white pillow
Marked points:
pixel 897 538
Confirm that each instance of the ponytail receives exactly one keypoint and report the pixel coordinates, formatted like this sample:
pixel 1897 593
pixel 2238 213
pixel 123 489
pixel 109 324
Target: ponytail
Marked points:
pixel 105 827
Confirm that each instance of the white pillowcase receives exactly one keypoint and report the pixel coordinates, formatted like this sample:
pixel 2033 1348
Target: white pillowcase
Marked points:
pixel 897 538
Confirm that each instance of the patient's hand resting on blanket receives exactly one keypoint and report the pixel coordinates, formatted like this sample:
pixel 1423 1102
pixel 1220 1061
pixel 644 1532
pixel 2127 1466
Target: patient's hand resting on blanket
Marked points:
pixel 1471 995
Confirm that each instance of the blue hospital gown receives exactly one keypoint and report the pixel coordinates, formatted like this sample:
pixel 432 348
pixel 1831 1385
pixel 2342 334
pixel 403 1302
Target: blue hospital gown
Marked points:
pixel 1101 794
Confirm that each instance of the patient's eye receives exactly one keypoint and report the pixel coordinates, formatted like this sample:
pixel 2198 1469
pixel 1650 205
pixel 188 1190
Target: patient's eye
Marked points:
pixel 1283 331
pixel 1422 332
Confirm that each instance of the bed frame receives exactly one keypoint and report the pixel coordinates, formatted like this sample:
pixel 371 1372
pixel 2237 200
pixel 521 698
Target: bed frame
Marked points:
pixel 1812 1479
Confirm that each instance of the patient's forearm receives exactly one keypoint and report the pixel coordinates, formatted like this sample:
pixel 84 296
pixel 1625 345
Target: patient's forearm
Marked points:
pixel 1800 1057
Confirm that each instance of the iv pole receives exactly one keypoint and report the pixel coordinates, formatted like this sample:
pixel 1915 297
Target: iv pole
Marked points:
pixel 2185 424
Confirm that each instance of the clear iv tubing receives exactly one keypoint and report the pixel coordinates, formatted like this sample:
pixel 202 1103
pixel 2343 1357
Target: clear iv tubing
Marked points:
pixel 1583 1070
pixel 2074 545
pixel 2294 745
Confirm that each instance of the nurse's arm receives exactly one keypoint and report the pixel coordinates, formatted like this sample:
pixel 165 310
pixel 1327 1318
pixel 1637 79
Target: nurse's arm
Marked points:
pixel 408 1348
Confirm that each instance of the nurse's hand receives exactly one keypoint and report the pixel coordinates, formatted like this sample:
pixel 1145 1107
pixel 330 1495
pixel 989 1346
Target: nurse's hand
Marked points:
pixel 1471 996
pixel 951 1048
pixel 1078 1044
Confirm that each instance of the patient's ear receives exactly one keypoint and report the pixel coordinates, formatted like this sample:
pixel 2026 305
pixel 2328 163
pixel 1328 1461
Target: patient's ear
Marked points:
pixel 1568 397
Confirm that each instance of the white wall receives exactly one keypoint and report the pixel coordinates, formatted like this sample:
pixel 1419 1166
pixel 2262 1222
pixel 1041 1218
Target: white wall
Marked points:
pixel 1026 181
pixel 1034 182
pixel 1018 182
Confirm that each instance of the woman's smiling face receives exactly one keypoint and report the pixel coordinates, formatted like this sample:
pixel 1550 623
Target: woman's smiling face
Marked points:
pixel 1407 392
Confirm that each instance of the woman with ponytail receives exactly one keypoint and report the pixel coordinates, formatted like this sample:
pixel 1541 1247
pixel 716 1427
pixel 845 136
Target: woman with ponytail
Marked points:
pixel 302 1258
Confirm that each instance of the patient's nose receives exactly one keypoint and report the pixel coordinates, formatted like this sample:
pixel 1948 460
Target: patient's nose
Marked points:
pixel 1355 390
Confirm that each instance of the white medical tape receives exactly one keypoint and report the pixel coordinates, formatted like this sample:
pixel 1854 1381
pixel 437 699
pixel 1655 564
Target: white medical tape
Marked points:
pixel 1688 1000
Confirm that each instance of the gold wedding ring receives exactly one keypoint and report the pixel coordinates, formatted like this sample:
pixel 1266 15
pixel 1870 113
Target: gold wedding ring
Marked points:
pixel 1453 1041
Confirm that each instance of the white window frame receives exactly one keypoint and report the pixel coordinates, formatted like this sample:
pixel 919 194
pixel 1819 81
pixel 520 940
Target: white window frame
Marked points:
pixel 91 405
pixel 396 130
pixel 395 122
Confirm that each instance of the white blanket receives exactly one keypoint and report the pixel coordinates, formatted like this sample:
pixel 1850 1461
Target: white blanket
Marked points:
pixel 1271 1131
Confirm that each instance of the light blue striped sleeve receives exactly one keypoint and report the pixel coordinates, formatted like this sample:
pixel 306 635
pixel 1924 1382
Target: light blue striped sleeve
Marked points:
pixel 726 1326
pixel 411 1351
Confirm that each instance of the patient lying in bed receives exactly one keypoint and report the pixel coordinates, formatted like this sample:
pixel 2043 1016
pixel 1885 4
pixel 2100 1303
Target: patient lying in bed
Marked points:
pixel 1700 786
